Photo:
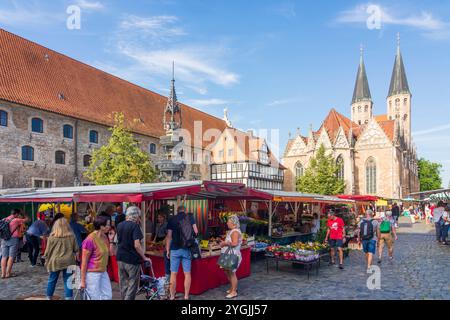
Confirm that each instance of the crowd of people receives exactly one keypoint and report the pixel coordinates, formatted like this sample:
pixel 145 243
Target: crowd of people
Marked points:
pixel 69 245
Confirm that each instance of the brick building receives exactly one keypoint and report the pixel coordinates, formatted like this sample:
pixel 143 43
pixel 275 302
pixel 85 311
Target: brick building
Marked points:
pixel 54 111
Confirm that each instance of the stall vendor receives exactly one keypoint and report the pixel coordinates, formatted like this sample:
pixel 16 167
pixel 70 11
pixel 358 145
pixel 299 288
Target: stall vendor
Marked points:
pixel 160 231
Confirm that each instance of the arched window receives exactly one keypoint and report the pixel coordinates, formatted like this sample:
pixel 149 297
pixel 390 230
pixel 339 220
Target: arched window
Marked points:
pixel 405 101
pixel 298 170
pixel 397 102
pixel 359 108
pixel 87 160
pixel 366 108
pixel 371 176
pixel 68 131
pixel 60 157
pixel 27 153
pixel 3 118
pixel 37 125
pixel 405 116
pixel 93 136
pixel 152 148
pixel 340 165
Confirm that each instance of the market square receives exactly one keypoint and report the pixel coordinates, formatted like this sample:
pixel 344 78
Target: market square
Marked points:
pixel 140 161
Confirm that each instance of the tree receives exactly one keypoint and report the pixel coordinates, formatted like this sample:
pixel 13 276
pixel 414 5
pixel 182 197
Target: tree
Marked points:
pixel 429 175
pixel 321 176
pixel 121 160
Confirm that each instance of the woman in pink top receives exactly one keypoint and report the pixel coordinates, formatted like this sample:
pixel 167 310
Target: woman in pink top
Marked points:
pixel 10 246
pixel 97 248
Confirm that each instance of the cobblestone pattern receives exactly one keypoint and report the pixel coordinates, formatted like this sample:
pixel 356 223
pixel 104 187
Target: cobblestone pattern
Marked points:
pixel 420 270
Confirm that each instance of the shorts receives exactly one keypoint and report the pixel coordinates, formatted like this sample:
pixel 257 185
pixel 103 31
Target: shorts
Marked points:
pixel 182 256
pixel 369 246
pixel 10 247
pixel 335 243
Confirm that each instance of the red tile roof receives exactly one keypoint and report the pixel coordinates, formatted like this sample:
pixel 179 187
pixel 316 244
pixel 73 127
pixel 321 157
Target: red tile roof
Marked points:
pixel 33 75
pixel 388 127
pixel 334 120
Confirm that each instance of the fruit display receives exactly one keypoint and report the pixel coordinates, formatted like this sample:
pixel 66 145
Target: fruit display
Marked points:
pixel 297 251
pixel 155 246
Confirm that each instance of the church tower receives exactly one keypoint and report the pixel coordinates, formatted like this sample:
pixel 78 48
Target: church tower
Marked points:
pixel 399 96
pixel 362 105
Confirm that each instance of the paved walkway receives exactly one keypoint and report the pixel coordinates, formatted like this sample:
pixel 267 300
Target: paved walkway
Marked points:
pixel 420 270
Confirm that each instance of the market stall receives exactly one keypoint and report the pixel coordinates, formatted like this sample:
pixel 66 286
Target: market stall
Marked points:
pixel 151 196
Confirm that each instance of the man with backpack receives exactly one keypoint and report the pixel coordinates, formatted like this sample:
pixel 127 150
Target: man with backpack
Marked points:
pixel 181 233
pixel 387 235
pixel 10 235
pixel 368 235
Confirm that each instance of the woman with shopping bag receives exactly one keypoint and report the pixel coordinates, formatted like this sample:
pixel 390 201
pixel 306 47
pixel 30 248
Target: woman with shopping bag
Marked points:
pixel 230 257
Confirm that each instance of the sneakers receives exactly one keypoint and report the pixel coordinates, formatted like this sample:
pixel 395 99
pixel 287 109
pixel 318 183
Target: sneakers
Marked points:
pixel 379 261
pixel 341 266
pixel 331 263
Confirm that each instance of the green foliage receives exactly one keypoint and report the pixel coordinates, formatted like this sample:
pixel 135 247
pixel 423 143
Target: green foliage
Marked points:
pixel 121 160
pixel 429 175
pixel 321 176
pixel 322 231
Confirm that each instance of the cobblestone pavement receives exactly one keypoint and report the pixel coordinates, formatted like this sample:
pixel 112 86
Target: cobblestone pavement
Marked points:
pixel 420 270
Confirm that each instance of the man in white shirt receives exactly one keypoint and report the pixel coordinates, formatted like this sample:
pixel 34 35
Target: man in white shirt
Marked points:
pixel 437 217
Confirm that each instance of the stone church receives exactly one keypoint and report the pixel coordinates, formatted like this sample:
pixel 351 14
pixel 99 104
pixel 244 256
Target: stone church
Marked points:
pixel 375 153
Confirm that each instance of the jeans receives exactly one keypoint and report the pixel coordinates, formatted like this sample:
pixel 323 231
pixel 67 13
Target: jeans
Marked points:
pixel 33 248
pixel 444 232
pixel 53 279
pixel 182 256
pixel 129 276
pixel 437 225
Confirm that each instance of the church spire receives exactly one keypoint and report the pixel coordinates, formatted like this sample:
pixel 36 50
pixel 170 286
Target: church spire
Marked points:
pixel 399 82
pixel 361 91
pixel 172 107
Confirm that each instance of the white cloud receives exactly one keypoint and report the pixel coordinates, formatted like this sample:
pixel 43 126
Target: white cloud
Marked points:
pixel 153 43
pixel 445 127
pixel 207 102
pixel 28 15
pixel 282 102
pixel 90 5
pixel 159 27
pixel 430 25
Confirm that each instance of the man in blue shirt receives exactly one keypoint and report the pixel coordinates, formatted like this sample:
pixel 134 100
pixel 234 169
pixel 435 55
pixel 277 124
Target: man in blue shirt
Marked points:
pixel 79 231
pixel 34 233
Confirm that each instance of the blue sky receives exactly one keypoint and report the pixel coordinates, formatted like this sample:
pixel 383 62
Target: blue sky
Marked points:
pixel 273 64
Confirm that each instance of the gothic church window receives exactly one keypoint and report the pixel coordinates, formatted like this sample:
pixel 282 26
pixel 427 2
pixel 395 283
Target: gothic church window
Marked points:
pixel 405 101
pixel 298 170
pixel 366 108
pixel 371 176
pixel 359 108
pixel 340 165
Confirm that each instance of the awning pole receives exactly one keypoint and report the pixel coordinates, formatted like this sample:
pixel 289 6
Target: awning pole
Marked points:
pixel 270 218
pixel 32 211
pixel 143 222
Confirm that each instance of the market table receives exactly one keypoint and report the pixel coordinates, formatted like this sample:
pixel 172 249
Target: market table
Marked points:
pixel 206 274
pixel 307 264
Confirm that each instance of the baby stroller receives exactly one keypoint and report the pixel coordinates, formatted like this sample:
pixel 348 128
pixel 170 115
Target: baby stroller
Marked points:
pixel 149 285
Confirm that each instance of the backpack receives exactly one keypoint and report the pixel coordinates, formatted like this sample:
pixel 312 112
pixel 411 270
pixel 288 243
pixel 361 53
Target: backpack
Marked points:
pixel 186 233
pixel 5 232
pixel 385 226
pixel 366 230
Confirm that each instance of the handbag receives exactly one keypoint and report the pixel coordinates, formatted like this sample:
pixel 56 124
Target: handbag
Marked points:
pixel 82 295
pixel 195 250
pixel 228 260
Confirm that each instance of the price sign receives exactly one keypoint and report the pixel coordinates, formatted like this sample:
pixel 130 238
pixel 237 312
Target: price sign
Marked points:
pixel 204 243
